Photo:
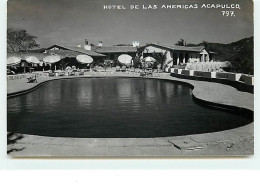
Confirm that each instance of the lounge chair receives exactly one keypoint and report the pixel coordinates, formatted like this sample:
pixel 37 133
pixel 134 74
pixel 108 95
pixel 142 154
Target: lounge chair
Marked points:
pixel 51 73
pixel 118 68
pixel 149 71
pixel 9 72
pixel 71 73
pixel 62 73
pixel 81 72
pixel 32 79
pixel 94 69
pixel 123 69
pixel 142 73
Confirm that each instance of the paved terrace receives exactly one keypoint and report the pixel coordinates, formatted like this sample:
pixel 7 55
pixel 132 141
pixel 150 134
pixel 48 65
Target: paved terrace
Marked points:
pixel 238 141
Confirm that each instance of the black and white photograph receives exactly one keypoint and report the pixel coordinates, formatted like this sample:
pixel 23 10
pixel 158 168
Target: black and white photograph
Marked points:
pixel 122 79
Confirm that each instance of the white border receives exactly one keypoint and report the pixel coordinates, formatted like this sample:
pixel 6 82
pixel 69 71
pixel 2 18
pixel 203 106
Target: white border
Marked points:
pixel 146 164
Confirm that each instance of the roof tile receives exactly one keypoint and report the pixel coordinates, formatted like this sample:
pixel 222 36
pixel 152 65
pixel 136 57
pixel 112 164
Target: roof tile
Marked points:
pixel 180 48
pixel 79 50
pixel 114 49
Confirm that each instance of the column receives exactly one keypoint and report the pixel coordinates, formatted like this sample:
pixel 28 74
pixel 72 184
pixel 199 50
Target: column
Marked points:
pixel 178 58
pixel 207 58
pixel 183 60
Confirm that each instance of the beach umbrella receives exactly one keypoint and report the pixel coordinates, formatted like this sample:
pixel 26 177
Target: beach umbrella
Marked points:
pixel 149 59
pixel 32 60
pixel 148 62
pixel 125 59
pixel 51 59
pixel 13 61
pixel 84 59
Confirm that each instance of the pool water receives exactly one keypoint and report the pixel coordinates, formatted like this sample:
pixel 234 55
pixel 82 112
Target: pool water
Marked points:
pixel 115 108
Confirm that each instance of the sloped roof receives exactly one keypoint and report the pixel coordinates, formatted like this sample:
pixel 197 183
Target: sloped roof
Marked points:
pixel 78 49
pixel 114 49
pixel 64 53
pixel 23 55
pixel 179 48
pixel 40 56
pixel 82 50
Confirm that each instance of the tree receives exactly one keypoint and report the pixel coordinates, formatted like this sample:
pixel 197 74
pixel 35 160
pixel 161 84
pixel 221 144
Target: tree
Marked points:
pixel 181 42
pixel 136 60
pixel 161 58
pixel 20 40
pixel 205 44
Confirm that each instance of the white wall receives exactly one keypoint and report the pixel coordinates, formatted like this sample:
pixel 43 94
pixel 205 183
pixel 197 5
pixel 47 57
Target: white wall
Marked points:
pixel 194 57
pixel 205 56
pixel 152 49
pixel 55 48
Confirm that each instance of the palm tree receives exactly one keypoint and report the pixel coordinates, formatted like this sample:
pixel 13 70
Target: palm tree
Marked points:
pixel 136 60
pixel 205 44
pixel 181 42
pixel 160 58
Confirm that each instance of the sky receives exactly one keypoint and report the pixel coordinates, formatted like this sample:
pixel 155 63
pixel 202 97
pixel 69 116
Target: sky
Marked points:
pixel 69 22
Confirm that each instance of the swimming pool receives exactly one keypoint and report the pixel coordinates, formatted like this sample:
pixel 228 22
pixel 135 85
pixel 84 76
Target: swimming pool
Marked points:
pixel 115 108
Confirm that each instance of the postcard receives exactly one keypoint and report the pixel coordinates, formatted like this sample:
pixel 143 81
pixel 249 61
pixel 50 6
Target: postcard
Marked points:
pixel 141 78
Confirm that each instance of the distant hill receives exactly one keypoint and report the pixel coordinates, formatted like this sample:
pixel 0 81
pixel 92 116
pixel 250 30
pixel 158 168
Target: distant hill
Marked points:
pixel 123 45
pixel 239 53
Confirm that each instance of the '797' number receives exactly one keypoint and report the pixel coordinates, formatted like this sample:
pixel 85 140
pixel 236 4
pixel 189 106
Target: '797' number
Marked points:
pixel 228 13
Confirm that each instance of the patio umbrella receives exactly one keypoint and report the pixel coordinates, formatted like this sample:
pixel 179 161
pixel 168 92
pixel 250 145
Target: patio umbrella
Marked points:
pixel 32 60
pixel 52 59
pixel 84 59
pixel 149 59
pixel 13 61
pixel 125 59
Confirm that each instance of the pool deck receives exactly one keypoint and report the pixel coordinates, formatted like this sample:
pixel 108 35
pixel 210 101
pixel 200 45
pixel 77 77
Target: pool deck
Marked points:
pixel 233 142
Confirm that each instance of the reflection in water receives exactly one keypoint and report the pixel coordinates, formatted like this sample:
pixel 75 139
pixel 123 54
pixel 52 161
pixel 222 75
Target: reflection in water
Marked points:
pixel 124 89
pixel 84 95
pixel 114 107
pixel 150 90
